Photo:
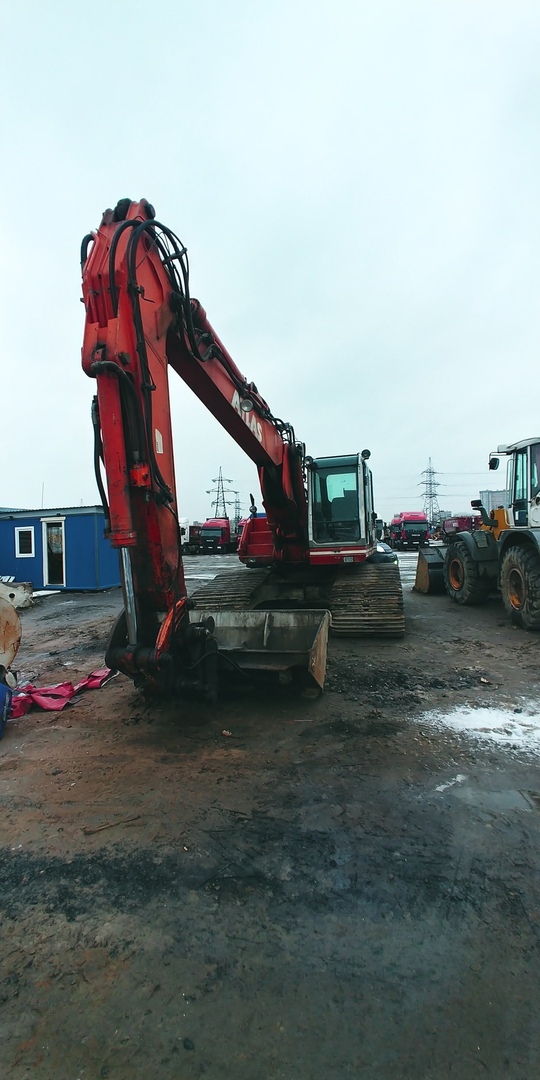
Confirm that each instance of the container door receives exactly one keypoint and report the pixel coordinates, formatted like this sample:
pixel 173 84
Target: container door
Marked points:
pixel 54 554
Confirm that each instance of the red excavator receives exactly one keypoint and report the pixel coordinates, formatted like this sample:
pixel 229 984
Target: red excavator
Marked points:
pixel 312 548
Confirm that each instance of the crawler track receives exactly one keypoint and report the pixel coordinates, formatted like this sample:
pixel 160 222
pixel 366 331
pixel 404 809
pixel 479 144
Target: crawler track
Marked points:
pixel 234 590
pixel 366 600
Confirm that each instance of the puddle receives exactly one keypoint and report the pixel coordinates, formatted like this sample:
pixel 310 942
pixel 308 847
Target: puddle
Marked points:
pixel 407 561
pixel 450 783
pixel 496 800
pixel 517 728
pixel 499 801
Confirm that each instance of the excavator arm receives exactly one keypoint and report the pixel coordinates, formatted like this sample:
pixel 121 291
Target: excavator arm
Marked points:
pixel 141 321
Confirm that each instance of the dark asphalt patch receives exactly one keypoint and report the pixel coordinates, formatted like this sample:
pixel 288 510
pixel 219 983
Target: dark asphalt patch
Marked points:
pixel 336 869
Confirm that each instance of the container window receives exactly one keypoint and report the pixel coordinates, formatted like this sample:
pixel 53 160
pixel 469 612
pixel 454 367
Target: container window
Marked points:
pixel 24 543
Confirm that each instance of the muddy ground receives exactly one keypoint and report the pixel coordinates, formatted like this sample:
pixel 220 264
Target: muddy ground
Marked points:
pixel 304 898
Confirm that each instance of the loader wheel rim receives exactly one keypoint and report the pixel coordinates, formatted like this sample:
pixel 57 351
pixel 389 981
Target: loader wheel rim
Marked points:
pixel 456 574
pixel 516 588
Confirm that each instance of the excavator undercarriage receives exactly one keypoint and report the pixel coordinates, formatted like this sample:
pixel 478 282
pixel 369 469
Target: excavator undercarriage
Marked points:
pixel 363 599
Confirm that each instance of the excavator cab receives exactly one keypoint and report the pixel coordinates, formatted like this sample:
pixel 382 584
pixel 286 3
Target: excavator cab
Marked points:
pixel 341 518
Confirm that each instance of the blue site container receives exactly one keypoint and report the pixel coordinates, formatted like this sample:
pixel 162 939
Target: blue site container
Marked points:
pixel 58 549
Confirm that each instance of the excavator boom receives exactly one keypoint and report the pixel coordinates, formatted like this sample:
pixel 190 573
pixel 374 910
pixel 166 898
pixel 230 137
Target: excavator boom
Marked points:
pixel 141 320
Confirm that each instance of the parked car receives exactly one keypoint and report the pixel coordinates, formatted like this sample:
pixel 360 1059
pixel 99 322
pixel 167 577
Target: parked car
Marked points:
pixel 384 553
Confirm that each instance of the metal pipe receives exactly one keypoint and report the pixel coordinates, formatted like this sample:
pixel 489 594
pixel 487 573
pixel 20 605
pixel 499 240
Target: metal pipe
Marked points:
pixel 129 595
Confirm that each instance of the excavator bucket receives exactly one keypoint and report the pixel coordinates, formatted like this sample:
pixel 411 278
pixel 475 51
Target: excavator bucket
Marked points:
pixel 429 571
pixel 272 641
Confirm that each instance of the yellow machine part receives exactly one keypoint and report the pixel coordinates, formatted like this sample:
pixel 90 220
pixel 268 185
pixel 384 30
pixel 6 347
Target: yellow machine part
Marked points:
pixel 500 522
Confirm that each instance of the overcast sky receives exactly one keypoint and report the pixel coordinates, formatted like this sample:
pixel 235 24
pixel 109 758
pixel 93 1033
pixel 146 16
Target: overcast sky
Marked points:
pixel 357 183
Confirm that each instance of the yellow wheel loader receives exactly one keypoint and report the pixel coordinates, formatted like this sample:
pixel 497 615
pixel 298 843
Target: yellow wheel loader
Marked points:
pixel 504 552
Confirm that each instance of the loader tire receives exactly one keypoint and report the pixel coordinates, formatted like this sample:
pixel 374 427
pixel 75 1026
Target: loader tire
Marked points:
pixel 461 579
pixel 520 586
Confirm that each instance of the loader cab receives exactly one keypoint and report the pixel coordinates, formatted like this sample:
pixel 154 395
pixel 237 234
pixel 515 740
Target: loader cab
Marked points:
pixel 341 518
pixel 522 482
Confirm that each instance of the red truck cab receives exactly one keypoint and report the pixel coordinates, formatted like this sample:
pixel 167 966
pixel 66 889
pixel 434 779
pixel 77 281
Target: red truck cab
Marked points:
pixel 216 538
pixel 192 544
pixel 409 530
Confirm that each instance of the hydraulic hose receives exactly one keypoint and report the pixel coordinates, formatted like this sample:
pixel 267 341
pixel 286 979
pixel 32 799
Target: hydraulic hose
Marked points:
pixel 98 457
pixel 133 412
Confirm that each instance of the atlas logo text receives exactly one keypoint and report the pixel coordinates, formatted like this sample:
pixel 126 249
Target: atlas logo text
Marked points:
pixel 249 418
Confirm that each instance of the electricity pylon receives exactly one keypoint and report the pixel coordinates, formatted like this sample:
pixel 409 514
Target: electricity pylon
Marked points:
pixel 237 506
pixel 431 502
pixel 220 502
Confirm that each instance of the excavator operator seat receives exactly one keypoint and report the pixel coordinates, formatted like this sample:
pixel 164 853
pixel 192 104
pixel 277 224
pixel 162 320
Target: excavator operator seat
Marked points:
pixel 346 507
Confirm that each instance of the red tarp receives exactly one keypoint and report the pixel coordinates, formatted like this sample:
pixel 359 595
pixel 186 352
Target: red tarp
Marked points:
pixel 55 697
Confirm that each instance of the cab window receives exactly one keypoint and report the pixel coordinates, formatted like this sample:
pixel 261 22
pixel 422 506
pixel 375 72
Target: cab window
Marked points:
pixel 535 470
pixel 520 488
pixel 335 508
